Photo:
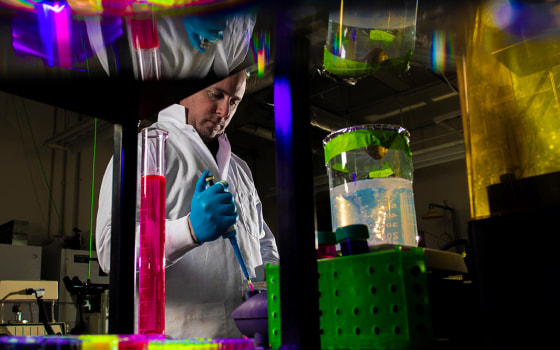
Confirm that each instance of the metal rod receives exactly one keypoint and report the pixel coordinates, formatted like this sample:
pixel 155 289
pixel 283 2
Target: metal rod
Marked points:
pixel 298 259
pixel 123 229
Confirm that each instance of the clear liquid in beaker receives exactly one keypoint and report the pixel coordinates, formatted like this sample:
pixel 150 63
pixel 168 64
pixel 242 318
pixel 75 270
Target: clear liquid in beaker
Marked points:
pixel 385 205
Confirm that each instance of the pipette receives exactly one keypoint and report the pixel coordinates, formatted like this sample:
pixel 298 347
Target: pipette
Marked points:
pixel 231 233
pixel 233 240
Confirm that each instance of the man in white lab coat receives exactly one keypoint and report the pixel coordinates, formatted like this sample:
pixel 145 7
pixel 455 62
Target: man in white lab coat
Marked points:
pixel 204 282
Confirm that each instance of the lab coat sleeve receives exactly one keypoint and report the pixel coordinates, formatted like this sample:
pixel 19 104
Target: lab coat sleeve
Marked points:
pixel 178 238
pixel 103 224
pixel 269 251
pixel 267 242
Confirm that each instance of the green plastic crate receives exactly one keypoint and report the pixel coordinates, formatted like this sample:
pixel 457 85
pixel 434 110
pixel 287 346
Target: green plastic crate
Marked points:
pixel 377 300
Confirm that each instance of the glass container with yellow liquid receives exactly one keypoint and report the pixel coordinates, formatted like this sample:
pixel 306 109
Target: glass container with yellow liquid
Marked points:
pixel 509 81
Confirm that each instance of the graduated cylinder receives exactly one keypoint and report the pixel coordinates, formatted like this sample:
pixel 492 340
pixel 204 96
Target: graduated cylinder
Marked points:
pixel 151 265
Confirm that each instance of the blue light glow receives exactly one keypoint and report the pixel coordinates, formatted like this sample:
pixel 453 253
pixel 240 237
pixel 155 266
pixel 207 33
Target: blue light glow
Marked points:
pixel 282 109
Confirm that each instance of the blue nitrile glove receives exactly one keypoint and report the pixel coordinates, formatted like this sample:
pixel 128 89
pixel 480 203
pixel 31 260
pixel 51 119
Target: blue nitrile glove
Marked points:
pixel 212 210
pixel 204 30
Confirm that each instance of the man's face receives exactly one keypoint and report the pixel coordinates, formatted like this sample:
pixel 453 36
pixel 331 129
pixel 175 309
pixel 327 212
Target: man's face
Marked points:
pixel 210 110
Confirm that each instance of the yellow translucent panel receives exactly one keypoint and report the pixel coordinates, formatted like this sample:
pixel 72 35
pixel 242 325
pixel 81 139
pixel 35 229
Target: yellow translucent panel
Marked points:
pixel 511 116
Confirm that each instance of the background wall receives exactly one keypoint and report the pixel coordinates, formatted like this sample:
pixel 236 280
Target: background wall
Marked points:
pixel 50 188
pixel 440 184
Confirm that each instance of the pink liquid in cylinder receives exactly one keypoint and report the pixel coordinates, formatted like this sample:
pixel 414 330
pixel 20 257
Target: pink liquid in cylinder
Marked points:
pixel 151 309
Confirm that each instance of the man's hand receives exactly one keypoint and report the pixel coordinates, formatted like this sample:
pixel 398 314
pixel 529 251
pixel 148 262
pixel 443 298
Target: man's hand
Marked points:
pixel 212 210
pixel 204 30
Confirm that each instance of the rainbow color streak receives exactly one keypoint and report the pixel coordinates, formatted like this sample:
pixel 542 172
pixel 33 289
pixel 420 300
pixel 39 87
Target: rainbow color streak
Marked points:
pixel 129 7
pixel 260 51
pixel 121 342
pixel 442 52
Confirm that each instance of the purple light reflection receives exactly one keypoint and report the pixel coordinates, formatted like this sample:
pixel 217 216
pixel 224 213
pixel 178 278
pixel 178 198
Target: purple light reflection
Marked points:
pixel 55 31
pixel 282 109
pixel 53 35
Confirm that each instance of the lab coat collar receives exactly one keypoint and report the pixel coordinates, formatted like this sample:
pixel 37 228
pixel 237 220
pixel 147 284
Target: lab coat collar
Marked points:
pixel 223 156
pixel 176 113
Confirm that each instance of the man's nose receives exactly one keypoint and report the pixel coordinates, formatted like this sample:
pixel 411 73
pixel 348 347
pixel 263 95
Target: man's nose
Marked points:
pixel 224 108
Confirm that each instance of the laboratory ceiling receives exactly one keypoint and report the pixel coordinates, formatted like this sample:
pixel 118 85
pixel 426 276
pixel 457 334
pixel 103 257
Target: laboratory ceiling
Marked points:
pixel 423 97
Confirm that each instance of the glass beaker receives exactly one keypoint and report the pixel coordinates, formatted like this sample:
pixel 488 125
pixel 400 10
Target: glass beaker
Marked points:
pixel 508 83
pixel 151 293
pixel 364 37
pixel 370 182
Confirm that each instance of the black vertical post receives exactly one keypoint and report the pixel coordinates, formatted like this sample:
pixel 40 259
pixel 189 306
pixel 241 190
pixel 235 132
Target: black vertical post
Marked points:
pixel 299 300
pixel 123 226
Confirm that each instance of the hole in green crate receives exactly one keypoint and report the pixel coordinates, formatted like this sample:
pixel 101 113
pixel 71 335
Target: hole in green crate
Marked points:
pixel 274 297
pixel 376 330
pixel 334 274
pixel 395 309
pixel 390 268
pixel 417 289
pixel 371 270
pixel 396 330
pixel 357 330
pixel 393 288
pixel 272 280
pixel 275 331
pixel 336 292
pixel 337 311
pixel 415 270
pixel 419 309
pixel 274 314
pixel 339 331
pixel 356 311
pixel 373 290
pixel 375 310
pixel 321 331
pixel 320 312
pixel 421 329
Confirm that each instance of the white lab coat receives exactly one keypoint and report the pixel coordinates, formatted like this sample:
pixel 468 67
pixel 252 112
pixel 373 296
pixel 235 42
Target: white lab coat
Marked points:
pixel 204 283
pixel 180 60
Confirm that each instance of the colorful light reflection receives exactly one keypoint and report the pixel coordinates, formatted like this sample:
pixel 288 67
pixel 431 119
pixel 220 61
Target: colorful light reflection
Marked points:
pixel 126 7
pixel 524 18
pixel 54 36
pixel 442 52
pixel 55 31
pixel 260 52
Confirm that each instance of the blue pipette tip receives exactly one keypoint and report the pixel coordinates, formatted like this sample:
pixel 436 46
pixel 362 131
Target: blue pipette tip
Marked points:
pixel 235 245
